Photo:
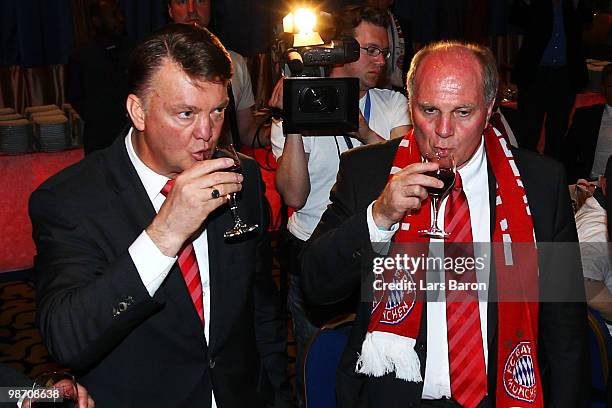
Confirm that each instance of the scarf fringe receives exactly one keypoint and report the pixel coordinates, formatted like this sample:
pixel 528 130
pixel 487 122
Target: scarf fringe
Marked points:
pixel 383 353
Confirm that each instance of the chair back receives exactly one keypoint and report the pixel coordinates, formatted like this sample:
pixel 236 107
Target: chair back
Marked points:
pixel 600 345
pixel 321 362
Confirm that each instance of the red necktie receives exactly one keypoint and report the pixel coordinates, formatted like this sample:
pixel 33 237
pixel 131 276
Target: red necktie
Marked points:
pixel 468 377
pixel 189 268
pixel 497 123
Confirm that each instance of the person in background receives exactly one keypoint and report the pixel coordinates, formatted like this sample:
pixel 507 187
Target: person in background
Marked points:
pixel 405 350
pixel 138 291
pixel 307 165
pixel 199 12
pixel 400 46
pixel 588 144
pixel 550 68
pixel 97 77
pixel 592 226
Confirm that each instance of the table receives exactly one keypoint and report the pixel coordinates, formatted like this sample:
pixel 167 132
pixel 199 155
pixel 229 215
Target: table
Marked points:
pixel 21 175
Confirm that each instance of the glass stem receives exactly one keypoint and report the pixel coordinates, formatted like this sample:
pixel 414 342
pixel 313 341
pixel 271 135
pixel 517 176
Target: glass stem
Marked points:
pixel 435 201
pixel 234 207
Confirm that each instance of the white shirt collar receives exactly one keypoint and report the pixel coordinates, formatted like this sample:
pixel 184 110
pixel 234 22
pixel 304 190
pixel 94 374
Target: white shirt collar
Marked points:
pixel 152 182
pixel 471 173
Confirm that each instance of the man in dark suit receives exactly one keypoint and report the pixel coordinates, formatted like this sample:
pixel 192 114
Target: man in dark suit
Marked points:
pixel 589 139
pixel 550 67
pixel 510 196
pixel 138 327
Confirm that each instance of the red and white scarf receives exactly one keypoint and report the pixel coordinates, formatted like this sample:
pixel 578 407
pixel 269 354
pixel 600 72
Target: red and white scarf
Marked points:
pixel 394 323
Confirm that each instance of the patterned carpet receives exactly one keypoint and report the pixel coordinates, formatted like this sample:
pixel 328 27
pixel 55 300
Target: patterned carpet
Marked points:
pixel 21 346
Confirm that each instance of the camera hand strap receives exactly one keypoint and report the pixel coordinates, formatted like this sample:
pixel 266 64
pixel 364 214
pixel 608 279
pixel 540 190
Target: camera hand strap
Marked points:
pixel 366 114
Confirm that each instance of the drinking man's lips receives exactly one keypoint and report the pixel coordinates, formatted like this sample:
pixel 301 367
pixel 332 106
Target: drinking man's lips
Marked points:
pixel 200 155
pixel 441 150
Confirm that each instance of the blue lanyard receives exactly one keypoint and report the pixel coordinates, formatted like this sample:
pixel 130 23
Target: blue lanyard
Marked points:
pixel 366 109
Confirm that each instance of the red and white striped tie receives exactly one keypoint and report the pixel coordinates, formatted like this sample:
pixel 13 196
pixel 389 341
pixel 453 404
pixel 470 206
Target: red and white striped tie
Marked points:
pixel 468 377
pixel 189 268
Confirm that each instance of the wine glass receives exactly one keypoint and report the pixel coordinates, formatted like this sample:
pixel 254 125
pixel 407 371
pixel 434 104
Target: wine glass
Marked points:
pixel 47 383
pixel 446 174
pixel 240 227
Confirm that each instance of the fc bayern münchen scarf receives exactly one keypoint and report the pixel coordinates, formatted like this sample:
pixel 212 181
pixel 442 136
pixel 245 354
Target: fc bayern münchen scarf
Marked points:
pixel 396 314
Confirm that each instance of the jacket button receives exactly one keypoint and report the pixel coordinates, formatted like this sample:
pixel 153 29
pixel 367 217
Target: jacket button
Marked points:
pixel 211 363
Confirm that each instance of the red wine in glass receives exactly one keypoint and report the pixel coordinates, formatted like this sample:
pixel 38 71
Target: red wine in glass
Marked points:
pixel 446 174
pixel 65 389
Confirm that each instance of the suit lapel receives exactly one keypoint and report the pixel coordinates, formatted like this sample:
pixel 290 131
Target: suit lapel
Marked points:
pixel 131 194
pixel 139 211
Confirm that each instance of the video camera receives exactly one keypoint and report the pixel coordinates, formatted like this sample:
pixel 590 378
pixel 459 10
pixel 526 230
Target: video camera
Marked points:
pixel 310 100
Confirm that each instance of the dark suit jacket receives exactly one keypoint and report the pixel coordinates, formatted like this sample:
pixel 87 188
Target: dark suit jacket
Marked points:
pixel 338 260
pixel 96 85
pixel 537 21
pixel 581 141
pixel 153 353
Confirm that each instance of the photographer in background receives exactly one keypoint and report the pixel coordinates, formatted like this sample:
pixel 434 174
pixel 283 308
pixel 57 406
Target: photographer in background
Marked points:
pixel 400 45
pixel 307 165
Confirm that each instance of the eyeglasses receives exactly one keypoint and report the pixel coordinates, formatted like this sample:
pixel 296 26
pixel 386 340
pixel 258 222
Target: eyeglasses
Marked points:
pixel 374 51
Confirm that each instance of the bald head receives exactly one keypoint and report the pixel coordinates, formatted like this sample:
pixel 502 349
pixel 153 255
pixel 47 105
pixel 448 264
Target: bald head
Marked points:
pixel 470 56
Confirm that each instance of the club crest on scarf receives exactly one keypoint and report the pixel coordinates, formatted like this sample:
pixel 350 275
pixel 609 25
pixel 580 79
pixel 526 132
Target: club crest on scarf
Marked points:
pixel 519 376
pixel 398 295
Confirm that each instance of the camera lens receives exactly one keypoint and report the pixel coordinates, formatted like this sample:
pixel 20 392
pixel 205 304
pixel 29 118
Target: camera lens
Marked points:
pixel 318 99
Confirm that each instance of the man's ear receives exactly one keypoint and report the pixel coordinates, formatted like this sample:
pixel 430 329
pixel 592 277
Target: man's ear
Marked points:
pixel 170 11
pixel 490 110
pixel 135 109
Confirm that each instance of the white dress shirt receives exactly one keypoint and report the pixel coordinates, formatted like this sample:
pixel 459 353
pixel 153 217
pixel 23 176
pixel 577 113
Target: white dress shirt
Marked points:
pixel 475 180
pixel 152 265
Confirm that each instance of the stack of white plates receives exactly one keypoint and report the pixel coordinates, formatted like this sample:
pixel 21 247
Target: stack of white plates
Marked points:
pixel 15 136
pixel 10 116
pixel 37 109
pixel 51 112
pixel 7 111
pixel 51 133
